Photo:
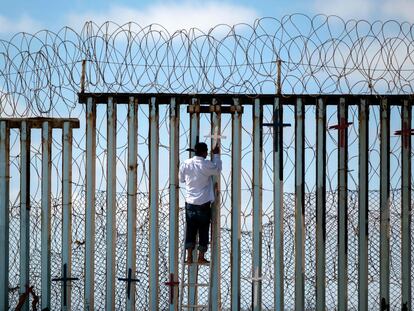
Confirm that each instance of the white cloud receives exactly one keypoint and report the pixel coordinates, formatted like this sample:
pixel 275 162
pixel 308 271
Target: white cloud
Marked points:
pixel 172 16
pixel 346 9
pixel 24 23
pixel 401 10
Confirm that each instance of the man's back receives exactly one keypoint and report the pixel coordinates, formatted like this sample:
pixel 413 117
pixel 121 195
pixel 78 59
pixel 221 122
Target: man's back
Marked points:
pixel 196 172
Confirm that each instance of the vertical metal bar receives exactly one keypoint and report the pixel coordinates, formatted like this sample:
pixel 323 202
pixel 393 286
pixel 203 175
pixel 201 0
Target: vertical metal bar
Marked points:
pixel 342 205
pixel 90 204
pixel 153 200
pixel 236 205
pixel 194 124
pixel 4 214
pixel 406 207
pixel 384 205
pixel 111 204
pixel 257 205
pixel 278 260
pixel 24 210
pixel 299 205
pixel 320 203
pixel 132 196
pixel 46 215
pixel 67 211
pixel 194 138
pixel 215 287
pixel 363 206
pixel 174 204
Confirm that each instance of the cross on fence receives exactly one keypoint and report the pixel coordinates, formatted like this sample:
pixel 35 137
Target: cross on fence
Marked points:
pixel 65 279
pixel 216 137
pixel 172 284
pixel 276 125
pixel 405 133
pixel 343 124
pixel 129 280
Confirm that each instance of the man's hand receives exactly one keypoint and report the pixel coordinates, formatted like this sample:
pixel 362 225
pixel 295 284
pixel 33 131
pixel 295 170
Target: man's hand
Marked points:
pixel 216 149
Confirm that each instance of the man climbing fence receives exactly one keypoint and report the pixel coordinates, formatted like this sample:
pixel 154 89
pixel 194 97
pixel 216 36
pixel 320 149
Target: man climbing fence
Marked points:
pixel 196 173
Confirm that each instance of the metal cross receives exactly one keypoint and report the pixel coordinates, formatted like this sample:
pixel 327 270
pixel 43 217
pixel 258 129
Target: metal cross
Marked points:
pixel 216 136
pixel 171 283
pixel 65 279
pixel 405 133
pixel 343 124
pixel 276 125
pixel 129 280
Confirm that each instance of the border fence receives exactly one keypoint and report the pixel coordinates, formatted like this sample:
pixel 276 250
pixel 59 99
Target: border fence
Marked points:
pixel 315 194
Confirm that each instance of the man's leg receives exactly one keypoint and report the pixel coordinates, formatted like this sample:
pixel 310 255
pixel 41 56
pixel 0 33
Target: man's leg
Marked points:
pixel 190 235
pixel 204 227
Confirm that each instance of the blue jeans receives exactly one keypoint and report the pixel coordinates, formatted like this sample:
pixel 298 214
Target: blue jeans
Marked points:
pixel 198 221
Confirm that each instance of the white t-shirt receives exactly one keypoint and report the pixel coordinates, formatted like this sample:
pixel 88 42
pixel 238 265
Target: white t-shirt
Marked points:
pixel 196 173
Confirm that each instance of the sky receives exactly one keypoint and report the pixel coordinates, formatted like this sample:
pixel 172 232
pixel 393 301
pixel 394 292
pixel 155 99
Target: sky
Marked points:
pixel 31 16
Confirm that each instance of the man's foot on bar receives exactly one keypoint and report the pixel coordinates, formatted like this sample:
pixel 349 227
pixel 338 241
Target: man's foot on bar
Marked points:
pixel 203 261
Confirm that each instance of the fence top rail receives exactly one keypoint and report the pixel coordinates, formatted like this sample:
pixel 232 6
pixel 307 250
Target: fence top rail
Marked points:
pixel 38 121
pixel 245 99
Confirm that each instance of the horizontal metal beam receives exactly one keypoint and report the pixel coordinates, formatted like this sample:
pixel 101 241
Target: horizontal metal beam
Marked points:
pixel 38 122
pixel 244 99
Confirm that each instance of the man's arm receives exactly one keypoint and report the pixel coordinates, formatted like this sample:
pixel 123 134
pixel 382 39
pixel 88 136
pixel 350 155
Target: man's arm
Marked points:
pixel 181 174
pixel 213 167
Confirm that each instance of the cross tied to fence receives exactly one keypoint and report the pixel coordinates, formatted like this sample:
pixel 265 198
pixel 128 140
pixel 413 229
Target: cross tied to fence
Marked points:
pixel 129 281
pixel 65 279
pixel 216 137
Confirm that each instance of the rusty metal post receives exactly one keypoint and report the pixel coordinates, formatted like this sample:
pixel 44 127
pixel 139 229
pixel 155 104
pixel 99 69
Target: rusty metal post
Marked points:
pixel 46 225
pixel 194 138
pixel 278 211
pixel 154 204
pixel 363 206
pixel 342 205
pixel 215 285
pixel 300 205
pixel 384 205
pixel 406 206
pixel 174 203
pixel 132 197
pixel 4 214
pixel 257 205
pixel 236 205
pixel 111 204
pixel 24 210
pixel 320 204
pixel 67 211
pixel 90 204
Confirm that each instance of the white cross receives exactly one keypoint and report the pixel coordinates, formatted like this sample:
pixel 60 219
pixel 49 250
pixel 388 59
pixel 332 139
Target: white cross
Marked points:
pixel 216 136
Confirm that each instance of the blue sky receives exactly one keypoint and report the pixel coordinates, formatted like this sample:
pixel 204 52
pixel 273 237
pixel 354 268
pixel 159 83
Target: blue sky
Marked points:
pixel 30 16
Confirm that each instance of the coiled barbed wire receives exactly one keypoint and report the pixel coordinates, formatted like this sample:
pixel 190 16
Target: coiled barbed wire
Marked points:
pixel 40 73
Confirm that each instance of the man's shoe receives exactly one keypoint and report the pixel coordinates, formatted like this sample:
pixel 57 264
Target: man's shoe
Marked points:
pixel 203 261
